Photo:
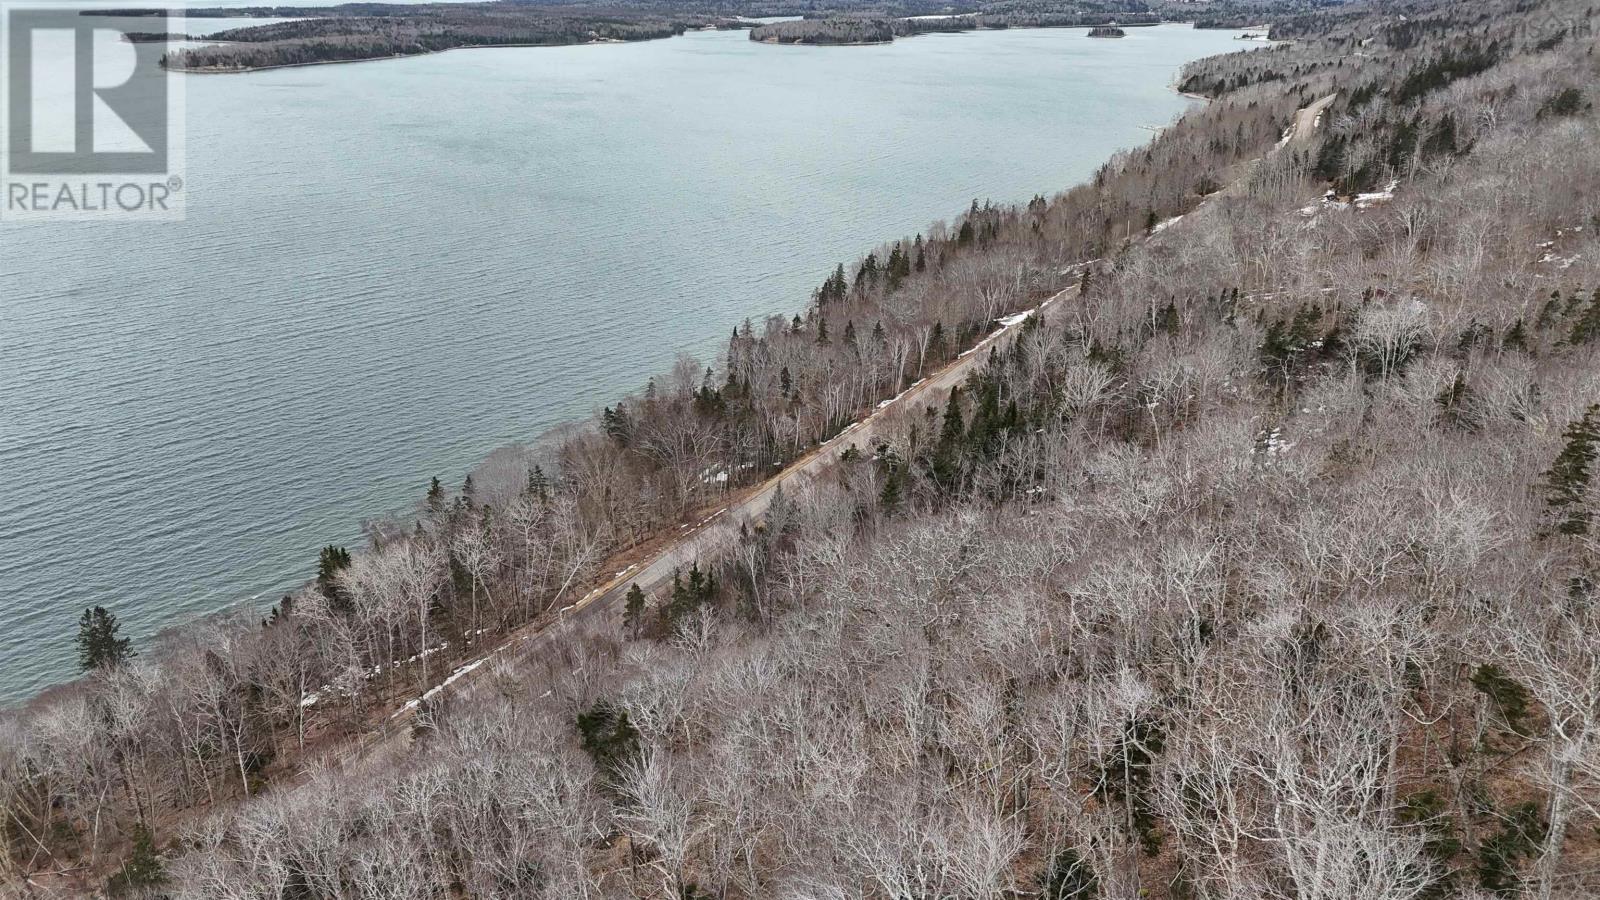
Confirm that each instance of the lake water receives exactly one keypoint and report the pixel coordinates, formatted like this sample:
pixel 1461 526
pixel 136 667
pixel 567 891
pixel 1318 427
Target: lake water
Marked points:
pixel 390 269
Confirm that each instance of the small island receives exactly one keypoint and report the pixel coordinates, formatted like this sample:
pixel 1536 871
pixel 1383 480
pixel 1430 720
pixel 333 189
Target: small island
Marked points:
pixel 844 30
pixel 854 30
pixel 1107 31
pixel 157 37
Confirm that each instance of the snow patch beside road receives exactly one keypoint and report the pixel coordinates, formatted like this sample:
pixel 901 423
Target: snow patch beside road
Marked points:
pixel 434 691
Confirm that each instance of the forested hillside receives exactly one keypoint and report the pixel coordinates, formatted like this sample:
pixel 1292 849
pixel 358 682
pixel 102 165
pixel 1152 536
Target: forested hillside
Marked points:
pixel 1265 566
pixel 381 32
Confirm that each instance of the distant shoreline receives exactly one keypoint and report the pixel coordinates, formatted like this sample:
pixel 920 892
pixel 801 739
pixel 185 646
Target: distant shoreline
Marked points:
pixel 915 34
pixel 212 70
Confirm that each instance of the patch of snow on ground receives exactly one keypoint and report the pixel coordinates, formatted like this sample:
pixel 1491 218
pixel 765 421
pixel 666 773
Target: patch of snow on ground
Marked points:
pixel 1330 200
pixel 434 691
pixel 1167 224
pixel 914 385
pixel 1384 196
pixel 1271 444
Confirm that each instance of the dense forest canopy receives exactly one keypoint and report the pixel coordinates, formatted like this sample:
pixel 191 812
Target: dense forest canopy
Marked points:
pixel 1263 566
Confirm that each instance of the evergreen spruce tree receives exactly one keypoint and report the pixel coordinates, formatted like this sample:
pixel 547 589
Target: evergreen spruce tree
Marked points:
pixel 142 871
pixel 1443 139
pixel 893 484
pixel 952 436
pixel 1455 404
pixel 687 596
pixel 330 562
pixel 616 425
pixel 1567 481
pixel 436 496
pixel 1167 321
pixel 866 274
pixel 633 611
pixel 1550 312
pixel 833 289
pixel 280 612
pixel 608 737
pixel 698 587
pixel 981 436
pixel 1330 159
pixel 822 331
pixel 1516 337
pixel 780 513
pixel 1472 337
pixel 99 646
pixel 538 484
pixel 954 428
pixel 678 602
pixel 1587 327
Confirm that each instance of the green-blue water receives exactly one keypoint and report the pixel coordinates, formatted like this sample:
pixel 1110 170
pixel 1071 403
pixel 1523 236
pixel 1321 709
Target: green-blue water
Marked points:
pixel 390 269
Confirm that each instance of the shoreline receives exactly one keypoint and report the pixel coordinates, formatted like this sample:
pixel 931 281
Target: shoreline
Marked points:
pixel 744 506
pixel 975 28
pixel 252 601
pixel 337 62
pixel 397 56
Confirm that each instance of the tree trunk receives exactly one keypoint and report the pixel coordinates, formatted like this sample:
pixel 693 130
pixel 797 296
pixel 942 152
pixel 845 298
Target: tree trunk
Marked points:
pixel 1560 777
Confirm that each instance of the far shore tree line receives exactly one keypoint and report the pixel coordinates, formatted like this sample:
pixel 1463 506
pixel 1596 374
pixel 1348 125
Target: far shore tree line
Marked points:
pixel 423 29
pixel 364 31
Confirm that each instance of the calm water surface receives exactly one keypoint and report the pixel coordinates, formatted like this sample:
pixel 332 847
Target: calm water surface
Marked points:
pixel 390 269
